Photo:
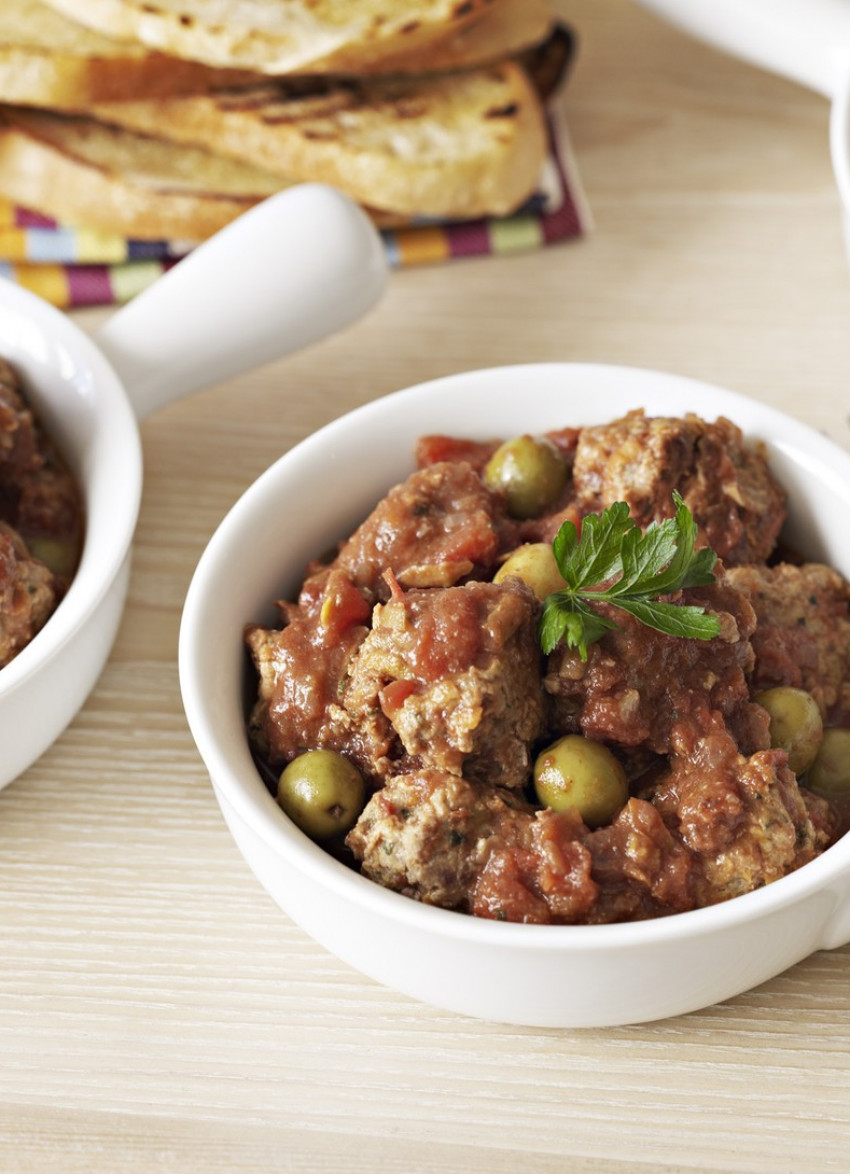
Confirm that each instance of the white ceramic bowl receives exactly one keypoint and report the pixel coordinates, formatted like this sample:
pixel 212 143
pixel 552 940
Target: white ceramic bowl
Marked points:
pixel 80 399
pixel 296 267
pixel 583 976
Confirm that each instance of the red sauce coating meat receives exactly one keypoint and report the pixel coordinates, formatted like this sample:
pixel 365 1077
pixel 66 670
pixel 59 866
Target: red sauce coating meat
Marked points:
pixel 303 669
pixel 403 654
pixel 636 682
pixel 456 672
pixel 434 530
pixel 40 521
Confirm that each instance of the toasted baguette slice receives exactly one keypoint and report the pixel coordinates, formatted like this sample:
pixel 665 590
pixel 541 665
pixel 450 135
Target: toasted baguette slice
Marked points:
pixel 84 173
pixel 91 175
pixel 277 36
pixel 48 60
pixel 507 28
pixel 454 147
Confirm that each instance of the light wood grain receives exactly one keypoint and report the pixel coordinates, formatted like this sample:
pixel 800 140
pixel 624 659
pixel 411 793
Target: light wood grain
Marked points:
pixel 157 1012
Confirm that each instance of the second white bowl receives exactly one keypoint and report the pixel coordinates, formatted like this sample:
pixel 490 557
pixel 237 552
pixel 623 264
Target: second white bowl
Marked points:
pixel 550 976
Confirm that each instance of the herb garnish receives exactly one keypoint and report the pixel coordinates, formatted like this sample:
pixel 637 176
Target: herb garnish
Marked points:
pixel 615 562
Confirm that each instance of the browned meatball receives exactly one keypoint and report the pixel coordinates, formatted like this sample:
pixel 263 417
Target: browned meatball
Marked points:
pixel 457 672
pixel 803 633
pixel 636 681
pixel 637 459
pixel 39 497
pixel 744 819
pixel 27 594
pixel 738 506
pixel 302 671
pixel 429 834
pixel 561 873
pixel 18 439
pixel 433 530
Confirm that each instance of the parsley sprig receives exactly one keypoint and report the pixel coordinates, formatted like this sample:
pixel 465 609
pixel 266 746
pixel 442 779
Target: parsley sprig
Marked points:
pixel 616 562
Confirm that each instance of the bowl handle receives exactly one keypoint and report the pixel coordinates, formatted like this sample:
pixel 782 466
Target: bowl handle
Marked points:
pixel 304 263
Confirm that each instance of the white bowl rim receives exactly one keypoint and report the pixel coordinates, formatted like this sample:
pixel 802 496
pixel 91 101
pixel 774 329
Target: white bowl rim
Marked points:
pixel 92 580
pixel 282 837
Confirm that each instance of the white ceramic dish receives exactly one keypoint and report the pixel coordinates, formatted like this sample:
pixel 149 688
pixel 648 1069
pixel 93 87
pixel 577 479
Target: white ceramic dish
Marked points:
pixel 807 41
pixel 561 976
pixel 296 267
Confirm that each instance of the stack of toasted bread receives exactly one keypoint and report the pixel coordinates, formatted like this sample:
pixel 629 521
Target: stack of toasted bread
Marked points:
pixel 165 120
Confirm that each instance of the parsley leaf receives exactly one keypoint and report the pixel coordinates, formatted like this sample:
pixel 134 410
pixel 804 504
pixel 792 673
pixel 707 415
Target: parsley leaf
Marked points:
pixel 616 562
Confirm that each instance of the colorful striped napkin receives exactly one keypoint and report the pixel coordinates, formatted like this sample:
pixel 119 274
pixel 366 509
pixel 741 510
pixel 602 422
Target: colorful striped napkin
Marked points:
pixel 71 266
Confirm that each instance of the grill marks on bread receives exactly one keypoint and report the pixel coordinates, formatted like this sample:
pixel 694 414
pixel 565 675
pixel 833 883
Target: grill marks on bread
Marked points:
pixel 459 147
pixel 414 112
pixel 80 170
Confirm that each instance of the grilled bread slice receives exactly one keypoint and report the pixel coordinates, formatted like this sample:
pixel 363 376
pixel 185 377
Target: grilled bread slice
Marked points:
pixel 85 173
pixel 48 60
pixel 102 177
pixel 277 36
pixel 453 147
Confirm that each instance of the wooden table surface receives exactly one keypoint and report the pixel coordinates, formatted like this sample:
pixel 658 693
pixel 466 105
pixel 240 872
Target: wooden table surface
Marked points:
pixel 157 1011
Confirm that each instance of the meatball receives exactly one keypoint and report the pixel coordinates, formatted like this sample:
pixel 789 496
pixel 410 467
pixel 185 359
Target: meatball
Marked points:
pixel 18 436
pixel 303 669
pixel 636 681
pixel 28 594
pixel 429 834
pixel 38 495
pixel 636 459
pixel 457 673
pixel 802 637
pixel 433 530
pixel 744 818
pixel 738 506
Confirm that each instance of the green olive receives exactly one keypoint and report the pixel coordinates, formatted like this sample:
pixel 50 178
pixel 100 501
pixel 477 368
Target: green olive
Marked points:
pixel 577 773
pixel 530 472
pixel 322 793
pixel 829 774
pixel 795 724
pixel 57 554
pixel 535 564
